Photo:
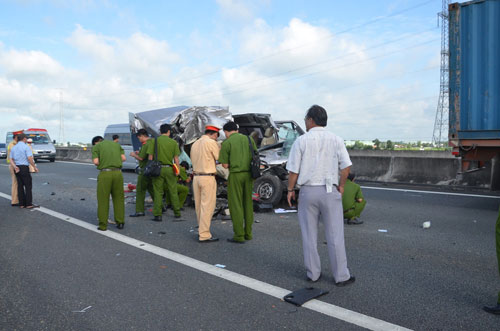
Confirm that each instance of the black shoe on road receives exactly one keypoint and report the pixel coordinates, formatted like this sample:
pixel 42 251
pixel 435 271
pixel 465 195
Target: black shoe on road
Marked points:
pixel 231 240
pixel 211 240
pixel 346 282
pixel 157 219
pixel 120 225
pixel 492 309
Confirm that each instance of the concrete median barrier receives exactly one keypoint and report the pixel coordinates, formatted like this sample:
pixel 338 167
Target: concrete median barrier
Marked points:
pixel 79 154
pixel 416 167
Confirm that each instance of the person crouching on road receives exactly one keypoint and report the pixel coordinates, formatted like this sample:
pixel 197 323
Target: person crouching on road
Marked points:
pixel 168 151
pixel 144 183
pixel 353 201
pixel 108 157
pixel 204 154
pixel 236 155
pixel 313 164
pixel 21 157
pixel 182 187
pixel 14 200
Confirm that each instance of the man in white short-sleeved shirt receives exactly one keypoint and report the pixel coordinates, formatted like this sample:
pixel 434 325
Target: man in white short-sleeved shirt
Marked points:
pixel 313 164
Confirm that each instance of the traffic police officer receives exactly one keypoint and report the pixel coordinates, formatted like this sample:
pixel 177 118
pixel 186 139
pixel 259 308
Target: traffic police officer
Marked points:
pixel 204 153
pixel 235 154
pixel 144 183
pixel 108 157
pixel 168 151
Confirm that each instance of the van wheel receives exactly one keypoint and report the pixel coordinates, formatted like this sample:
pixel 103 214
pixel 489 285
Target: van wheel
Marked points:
pixel 53 160
pixel 269 189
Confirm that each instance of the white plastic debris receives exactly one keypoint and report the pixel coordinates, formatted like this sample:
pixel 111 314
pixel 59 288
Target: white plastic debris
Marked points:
pixel 426 225
pixel 220 266
pixel 382 230
pixel 284 211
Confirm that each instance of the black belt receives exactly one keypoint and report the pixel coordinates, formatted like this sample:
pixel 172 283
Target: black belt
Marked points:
pixel 204 174
pixel 111 169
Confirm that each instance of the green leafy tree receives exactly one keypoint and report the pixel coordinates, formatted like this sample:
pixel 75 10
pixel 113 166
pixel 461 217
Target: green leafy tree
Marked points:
pixel 376 142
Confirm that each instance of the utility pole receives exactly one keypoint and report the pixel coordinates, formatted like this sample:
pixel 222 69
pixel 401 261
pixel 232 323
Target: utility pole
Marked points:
pixel 441 121
pixel 61 117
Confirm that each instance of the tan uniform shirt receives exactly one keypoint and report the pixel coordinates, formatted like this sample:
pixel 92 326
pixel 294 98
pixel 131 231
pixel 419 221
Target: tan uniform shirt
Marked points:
pixel 9 147
pixel 204 152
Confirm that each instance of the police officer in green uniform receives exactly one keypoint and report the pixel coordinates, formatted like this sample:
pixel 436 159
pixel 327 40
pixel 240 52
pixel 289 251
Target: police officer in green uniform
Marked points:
pixel 182 190
pixel 353 201
pixel 168 153
pixel 496 309
pixel 108 157
pixel 144 183
pixel 235 154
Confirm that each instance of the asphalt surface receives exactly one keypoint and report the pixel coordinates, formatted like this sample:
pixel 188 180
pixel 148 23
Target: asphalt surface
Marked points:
pixel 55 275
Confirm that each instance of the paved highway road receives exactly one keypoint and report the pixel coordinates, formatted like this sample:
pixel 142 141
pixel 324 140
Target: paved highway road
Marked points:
pixel 58 273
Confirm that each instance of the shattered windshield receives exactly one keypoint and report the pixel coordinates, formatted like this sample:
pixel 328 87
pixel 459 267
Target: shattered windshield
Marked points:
pixel 288 134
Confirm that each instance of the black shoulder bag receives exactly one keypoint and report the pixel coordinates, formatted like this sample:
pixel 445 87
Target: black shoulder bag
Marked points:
pixel 255 161
pixel 153 167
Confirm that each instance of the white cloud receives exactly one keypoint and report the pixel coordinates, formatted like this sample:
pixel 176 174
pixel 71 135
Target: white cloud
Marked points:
pixel 235 9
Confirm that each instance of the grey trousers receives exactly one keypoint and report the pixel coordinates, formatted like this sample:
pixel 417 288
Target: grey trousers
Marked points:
pixel 316 204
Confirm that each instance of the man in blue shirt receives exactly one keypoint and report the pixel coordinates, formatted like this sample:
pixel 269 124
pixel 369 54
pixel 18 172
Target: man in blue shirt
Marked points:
pixel 20 158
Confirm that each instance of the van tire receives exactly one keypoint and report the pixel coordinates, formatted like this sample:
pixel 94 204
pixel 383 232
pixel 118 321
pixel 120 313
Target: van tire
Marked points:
pixel 52 160
pixel 269 188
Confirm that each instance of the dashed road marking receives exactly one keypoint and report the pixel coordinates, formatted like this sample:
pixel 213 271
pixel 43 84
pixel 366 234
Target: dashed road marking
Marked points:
pixel 322 307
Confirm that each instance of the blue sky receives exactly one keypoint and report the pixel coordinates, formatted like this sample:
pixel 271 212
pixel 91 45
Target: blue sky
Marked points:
pixel 374 65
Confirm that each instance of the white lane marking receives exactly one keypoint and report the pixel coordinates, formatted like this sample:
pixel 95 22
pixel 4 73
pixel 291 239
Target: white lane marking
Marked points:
pixel 81 163
pixel 432 192
pixel 328 309
pixel 5 165
pixel 92 178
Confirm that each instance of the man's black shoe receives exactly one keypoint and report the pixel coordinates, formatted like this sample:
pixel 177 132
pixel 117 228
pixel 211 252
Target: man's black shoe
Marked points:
pixel 178 218
pixel 492 309
pixel 157 219
pixel 15 205
pixel 120 225
pixel 98 228
pixel 137 215
pixel 313 281
pixel 211 240
pixel 231 240
pixel 346 282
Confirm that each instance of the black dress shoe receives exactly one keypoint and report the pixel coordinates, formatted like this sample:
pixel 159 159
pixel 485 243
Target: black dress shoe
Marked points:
pixel 492 309
pixel 313 281
pixel 157 219
pixel 178 218
pixel 120 225
pixel 137 215
pixel 231 240
pixel 98 228
pixel 211 240
pixel 15 205
pixel 346 282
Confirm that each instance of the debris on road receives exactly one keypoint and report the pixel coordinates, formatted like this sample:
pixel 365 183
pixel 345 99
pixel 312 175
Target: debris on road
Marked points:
pixel 46 183
pixel 162 232
pixel 84 310
pixel 284 211
pixel 257 221
pixel 426 225
pixel 382 230
pixel 220 266
pixel 117 254
pixel 53 193
pixel 82 199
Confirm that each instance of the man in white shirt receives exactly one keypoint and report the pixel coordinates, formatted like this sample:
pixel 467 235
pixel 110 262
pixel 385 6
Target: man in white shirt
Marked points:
pixel 313 164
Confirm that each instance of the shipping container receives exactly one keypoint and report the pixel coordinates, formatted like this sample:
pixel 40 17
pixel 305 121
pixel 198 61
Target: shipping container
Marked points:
pixel 474 69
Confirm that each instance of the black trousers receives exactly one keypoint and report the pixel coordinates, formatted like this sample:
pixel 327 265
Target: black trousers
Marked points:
pixel 24 186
